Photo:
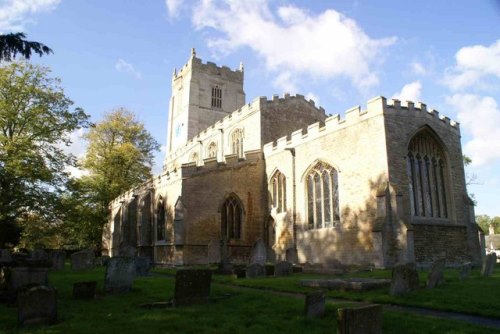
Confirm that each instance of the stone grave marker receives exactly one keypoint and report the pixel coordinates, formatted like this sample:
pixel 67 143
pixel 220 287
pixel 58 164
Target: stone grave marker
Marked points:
pixel 142 265
pixel 192 286
pixel 84 290
pixel 315 304
pixel 82 260
pixel 255 270
pixel 58 257
pixel 22 276
pixel 404 279
pixel 291 255
pixel 464 271
pixel 259 254
pixel 214 249
pixel 37 305
pixel 489 264
pixel 283 268
pixel 360 320
pixel 120 274
pixel 5 256
pixel 39 255
pixel 128 250
pixel 436 275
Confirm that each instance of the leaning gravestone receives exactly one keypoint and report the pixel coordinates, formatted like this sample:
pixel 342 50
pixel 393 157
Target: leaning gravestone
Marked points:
pixel 255 270
pixel 404 279
pixel 283 268
pixel 142 265
pixel 315 304
pixel 84 290
pixel 37 305
pixel 489 264
pixel 58 257
pixel 436 276
pixel 192 286
pixel 259 254
pixel 464 271
pixel 214 249
pixel 360 320
pixel 82 260
pixel 120 274
pixel 22 276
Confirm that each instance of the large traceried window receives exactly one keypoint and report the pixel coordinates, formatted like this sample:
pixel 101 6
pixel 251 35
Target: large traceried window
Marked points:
pixel 237 142
pixel 231 218
pixel 322 196
pixel 278 184
pixel 426 168
pixel 216 97
pixel 212 150
pixel 160 220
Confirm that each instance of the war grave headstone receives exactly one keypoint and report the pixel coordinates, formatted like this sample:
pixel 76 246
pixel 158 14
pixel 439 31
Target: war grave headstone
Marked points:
pixel 436 275
pixel 283 268
pixel 404 279
pixel 58 257
pixel 315 304
pixel 259 254
pixel 37 305
pixel 360 320
pixel 192 286
pixel 82 260
pixel 120 274
pixel 255 270
pixel 489 264
pixel 84 290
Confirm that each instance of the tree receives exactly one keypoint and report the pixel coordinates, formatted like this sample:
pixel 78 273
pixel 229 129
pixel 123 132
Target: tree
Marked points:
pixel 119 156
pixel 35 123
pixel 14 43
pixel 485 222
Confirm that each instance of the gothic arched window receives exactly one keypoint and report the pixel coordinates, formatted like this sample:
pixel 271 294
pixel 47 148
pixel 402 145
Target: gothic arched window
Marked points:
pixel 160 220
pixel 231 218
pixel 322 196
pixel 216 97
pixel 426 176
pixel 237 142
pixel 212 150
pixel 278 184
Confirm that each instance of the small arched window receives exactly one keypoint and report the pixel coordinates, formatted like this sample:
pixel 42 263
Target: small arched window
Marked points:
pixel 212 150
pixel 237 142
pixel 216 97
pixel 160 220
pixel 278 184
pixel 426 176
pixel 231 218
pixel 322 196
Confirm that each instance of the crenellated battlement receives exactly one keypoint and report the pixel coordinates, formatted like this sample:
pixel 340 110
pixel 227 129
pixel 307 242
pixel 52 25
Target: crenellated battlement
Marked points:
pixel 209 67
pixel 287 98
pixel 376 106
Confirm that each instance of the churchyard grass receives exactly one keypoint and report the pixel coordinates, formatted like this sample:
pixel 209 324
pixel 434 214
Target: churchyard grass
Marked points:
pixel 233 310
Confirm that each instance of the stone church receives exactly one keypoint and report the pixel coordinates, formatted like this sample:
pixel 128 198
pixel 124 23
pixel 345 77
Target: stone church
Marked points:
pixel 381 185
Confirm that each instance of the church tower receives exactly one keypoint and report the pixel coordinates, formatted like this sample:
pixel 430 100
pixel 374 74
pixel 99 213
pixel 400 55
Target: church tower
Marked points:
pixel 202 94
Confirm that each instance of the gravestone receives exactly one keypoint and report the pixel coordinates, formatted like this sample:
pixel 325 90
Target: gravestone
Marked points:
pixel 214 249
pixel 5 257
pixel 84 290
pixel 142 265
pixel 39 255
pixel 127 250
pixel 192 286
pixel 37 305
pixel 489 264
pixel 436 276
pixel 58 257
pixel 315 304
pixel 283 268
pixel 291 255
pixel 404 279
pixel 255 270
pixel 360 320
pixel 120 274
pixel 82 260
pixel 22 276
pixel 259 254
pixel 271 255
pixel 225 266
pixel 464 271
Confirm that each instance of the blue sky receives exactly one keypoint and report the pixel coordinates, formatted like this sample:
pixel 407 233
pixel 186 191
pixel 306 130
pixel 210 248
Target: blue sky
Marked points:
pixel 121 53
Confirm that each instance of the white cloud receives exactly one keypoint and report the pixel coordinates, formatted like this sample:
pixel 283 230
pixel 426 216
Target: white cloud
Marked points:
pixel 77 148
pixel 14 14
pixel 122 66
pixel 292 40
pixel 173 7
pixel 479 116
pixel 473 65
pixel 418 69
pixel 410 92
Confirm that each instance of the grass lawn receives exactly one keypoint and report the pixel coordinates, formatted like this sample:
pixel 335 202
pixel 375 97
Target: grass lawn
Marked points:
pixel 233 311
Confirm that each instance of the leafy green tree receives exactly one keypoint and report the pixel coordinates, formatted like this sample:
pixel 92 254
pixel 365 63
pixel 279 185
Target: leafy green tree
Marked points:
pixel 119 156
pixel 14 43
pixel 484 222
pixel 35 124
